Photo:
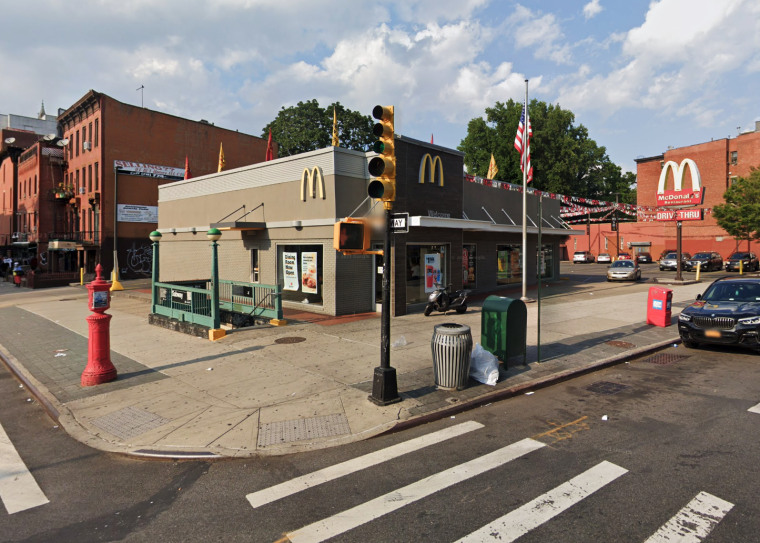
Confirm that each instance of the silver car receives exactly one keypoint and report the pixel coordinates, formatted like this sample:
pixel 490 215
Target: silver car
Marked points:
pixel 670 261
pixel 624 270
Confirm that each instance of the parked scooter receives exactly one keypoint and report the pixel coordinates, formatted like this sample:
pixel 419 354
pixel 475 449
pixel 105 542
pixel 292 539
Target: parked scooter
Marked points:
pixel 442 299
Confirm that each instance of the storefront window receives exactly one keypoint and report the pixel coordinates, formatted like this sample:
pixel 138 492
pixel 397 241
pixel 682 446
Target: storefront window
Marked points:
pixel 469 258
pixel 299 271
pixel 546 261
pixel 426 265
pixel 509 265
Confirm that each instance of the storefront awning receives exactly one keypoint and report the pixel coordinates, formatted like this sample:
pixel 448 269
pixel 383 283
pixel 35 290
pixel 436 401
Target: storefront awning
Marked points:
pixel 239 225
pixel 486 226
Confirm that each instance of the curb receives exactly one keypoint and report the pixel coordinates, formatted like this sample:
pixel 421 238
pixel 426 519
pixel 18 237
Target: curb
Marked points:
pixel 538 383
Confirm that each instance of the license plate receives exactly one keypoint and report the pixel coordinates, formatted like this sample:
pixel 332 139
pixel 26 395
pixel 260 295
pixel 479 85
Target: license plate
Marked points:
pixel 712 333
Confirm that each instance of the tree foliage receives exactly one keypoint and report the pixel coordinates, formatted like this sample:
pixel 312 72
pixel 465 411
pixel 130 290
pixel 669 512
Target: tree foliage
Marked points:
pixel 307 127
pixel 565 159
pixel 740 215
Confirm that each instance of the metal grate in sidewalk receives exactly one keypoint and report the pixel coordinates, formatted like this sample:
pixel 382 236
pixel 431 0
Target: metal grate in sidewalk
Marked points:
pixel 300 429
pixel 129 422
pixel 663 359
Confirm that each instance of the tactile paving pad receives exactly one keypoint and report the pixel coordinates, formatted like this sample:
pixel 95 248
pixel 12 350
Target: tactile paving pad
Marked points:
pixel 129 422
pixel 301 429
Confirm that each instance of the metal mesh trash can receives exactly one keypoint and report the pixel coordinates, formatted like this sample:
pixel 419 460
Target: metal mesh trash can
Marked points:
pixel 452 345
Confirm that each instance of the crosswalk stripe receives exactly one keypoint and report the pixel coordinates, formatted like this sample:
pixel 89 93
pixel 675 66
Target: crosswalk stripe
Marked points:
pixel 282 490
pixel 694 522
pixel 361 514
pixel 18 489
pixel 534 513
pixel 754 409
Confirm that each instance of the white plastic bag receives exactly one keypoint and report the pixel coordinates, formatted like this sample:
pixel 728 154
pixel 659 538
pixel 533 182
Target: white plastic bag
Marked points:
pixel 484 366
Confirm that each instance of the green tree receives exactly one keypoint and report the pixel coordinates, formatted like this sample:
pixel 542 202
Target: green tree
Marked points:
pixel 565 159
pixel 740 215
pixel 307 127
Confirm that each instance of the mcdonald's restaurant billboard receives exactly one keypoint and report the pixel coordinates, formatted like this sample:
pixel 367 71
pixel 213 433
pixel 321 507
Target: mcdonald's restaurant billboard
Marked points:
pixel 679 196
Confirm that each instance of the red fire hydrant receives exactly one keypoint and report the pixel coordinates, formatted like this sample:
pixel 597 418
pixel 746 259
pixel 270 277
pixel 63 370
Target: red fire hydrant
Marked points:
pixel 99 368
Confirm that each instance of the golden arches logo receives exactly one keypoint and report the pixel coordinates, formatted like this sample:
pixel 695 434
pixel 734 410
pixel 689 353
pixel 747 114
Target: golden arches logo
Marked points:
pixel 678 174
pixel 312 182
pixel 436 167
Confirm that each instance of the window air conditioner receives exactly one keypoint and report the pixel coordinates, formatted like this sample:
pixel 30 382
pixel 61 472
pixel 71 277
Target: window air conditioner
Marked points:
pixel 82 190
pixel 86 145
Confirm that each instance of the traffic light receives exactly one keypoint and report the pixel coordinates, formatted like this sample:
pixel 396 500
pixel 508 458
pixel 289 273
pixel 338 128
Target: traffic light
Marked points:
pixel 351 236
pixel 614 223
pixel 383 166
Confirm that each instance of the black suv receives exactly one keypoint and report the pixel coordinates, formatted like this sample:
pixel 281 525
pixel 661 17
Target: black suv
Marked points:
pixel 749 262
pixel 707 261
pixel 728 313
pixel 644 258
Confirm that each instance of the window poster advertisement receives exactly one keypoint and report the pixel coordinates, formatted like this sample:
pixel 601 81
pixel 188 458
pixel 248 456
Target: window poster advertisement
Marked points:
pixel 290 271
pixel 432 271
pixel 309 272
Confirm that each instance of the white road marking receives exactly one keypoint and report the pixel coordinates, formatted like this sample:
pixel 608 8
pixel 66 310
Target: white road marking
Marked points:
pixel 361 514
pixel 18 489
pixel 274 493
pixel 694 522
pixel 754 409
pixel 534 513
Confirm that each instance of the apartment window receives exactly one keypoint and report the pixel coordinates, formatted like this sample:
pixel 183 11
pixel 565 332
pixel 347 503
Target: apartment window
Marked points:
pixel 89 178
pixel 76 183
pixel 734 157
pixel 90 135
pixel 97 179
pixel 36 187
pixel 76 144
pixel 95 137
pixel 84 138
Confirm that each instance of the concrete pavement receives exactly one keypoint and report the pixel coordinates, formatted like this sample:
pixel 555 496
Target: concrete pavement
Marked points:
pixel 277 390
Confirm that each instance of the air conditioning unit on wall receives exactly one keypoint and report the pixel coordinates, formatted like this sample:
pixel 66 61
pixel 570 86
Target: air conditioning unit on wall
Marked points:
pixel 87 146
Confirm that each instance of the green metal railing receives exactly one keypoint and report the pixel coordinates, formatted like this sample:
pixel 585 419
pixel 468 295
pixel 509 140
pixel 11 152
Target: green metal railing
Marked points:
pixel 191 301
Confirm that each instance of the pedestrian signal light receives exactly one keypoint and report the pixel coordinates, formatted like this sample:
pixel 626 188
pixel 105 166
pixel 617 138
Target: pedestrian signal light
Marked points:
pixel 351 236
pixel 383 166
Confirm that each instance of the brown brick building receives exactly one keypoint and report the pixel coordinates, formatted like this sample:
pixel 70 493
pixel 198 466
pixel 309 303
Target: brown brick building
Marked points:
pixel 116 156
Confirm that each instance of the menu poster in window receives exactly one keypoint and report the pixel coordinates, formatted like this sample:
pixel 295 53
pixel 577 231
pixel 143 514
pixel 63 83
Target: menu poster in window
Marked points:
pixel 309 272
pixel 432 271
pixel 290 271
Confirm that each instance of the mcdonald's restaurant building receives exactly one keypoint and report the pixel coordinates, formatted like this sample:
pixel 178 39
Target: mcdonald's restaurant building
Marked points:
pixel 277 220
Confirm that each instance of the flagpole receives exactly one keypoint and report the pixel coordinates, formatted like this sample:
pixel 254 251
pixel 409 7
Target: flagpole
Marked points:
pixel 523 157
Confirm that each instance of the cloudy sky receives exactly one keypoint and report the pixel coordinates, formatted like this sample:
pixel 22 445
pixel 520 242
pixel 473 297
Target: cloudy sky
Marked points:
pixel 641 75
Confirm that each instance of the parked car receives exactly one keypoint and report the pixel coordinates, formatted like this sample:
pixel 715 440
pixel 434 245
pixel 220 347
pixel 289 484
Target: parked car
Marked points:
pixel 728 313
pixel 665 252
pixel 604 258
pixel 709 261
pixel 670 261
pixel 624 270
pixel 749 262
pixel 644 258
pixel 624 256
pixel 582 257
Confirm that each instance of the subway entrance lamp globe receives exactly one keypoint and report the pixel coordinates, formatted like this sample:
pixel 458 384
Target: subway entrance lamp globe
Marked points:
pixel 383 166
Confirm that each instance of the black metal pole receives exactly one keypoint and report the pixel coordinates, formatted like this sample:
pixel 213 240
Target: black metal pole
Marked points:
pixel 678 251
pixel 384 386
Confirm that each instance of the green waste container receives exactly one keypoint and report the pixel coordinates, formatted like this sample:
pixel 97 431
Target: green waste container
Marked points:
pixel 503 327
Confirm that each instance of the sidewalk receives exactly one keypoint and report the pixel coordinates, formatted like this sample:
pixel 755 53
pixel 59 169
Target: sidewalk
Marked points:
pixel 277 390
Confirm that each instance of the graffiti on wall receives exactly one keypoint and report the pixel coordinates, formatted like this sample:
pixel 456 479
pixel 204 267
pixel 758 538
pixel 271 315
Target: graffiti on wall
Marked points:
pixel 140 259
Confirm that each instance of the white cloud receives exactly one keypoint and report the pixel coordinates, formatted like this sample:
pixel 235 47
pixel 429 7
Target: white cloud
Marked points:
pixel 592 9
pixel 540 33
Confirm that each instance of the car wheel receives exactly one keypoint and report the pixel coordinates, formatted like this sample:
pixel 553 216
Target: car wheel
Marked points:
pixel 689 344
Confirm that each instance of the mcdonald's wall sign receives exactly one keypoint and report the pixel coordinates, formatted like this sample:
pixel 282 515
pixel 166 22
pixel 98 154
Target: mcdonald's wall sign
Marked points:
pixel 431 170
pixel 678 196
pixel 312 183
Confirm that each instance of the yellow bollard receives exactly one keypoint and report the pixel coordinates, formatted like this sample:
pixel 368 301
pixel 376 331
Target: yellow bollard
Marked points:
pixel 81 276
pixel 741 267
pixel 699 268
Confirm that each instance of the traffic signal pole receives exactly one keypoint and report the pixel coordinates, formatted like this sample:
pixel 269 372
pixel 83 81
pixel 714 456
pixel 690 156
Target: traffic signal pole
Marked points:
pixel 384 383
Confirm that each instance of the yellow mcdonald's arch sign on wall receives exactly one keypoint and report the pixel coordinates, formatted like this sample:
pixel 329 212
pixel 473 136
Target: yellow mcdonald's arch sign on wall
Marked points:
pixel 312 183
pixel 435 169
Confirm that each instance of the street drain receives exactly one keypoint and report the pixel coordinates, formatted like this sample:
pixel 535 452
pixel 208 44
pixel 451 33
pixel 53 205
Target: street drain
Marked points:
pixel 606 387
pixel 663 359
pixel 621 344
pixel 287 340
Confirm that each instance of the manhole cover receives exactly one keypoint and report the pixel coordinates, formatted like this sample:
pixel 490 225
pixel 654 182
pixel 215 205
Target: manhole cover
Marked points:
pixel 621 344
pixel 285 340
pixel 606 387
pixel 664 359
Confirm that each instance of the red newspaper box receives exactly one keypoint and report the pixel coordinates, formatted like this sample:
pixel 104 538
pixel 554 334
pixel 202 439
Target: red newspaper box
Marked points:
pixel 658 306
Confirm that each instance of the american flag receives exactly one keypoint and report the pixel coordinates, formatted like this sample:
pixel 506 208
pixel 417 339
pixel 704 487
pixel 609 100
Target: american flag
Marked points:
pixel 520 138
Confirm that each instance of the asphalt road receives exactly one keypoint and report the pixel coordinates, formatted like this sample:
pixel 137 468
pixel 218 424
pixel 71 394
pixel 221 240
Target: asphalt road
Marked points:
pixel 674 430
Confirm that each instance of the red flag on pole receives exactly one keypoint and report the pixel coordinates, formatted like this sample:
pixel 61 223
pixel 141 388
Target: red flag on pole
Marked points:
pixel 431 138
pixel 187 168
pixel 270 149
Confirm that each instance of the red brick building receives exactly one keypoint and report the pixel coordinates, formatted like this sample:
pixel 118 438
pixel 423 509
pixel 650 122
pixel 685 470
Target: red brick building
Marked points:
pixel 719 163
pixel 116 156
